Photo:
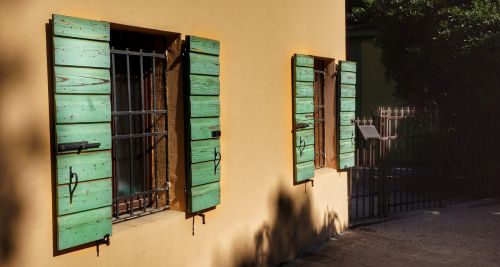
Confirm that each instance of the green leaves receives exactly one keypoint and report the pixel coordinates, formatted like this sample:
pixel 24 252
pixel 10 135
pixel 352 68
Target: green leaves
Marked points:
pixel 438 51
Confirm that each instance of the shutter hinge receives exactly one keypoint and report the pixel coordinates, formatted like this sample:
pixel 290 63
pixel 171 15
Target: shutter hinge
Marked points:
pixel 103 241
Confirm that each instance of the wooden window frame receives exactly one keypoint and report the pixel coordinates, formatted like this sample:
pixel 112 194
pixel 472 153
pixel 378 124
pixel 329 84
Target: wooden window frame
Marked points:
pixel 173 153
pixel 329 111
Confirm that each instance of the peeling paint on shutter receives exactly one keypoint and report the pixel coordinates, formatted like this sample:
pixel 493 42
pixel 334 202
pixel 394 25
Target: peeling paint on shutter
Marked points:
pixel 204 157
pixel 346 112
pixel 82 113
pixel 303 117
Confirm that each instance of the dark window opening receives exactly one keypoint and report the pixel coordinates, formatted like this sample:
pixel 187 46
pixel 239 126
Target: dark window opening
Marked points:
pixel 139 124
pixel 319 113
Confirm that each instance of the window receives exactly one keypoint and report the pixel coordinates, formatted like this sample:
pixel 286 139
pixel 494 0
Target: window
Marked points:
pixel 112 108
pixel 139 124
pixel 313 110
pixel 319 113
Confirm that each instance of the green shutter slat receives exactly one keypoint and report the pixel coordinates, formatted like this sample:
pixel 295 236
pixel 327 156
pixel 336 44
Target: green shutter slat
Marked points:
pixel 204 197
pixel 82 108
pixel 347 118
pixel 88 166
pixel 204 85
pixel 81 53
pixel 347 104
pixel 202 128
pixel 346 160
pixel 305 153
pixel 83 227
pixel 307 118
pixel 86 196
pixel 304 105
pixel 91 132
pixel 348 66
pixel 204 106
pixel 304 61
pixel 205 172
pixel 304 171
pixel 203 64
pixel 346 145
pixel 82 112
pixel 347 132
pixel 348 77
pixel 204 150
pixel 80 28
pixel 304 137
pixel 304 89
pixel 204 125
pixel 72 80
pixel 304 74
pixel 202 45
pixel 347 90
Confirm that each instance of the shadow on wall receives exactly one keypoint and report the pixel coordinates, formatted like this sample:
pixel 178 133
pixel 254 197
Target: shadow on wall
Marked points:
pixel 12 148
pixel 292 231
pixel 9 203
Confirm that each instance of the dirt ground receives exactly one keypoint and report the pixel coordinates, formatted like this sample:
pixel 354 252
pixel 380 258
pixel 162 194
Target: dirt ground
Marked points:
pixel 467 234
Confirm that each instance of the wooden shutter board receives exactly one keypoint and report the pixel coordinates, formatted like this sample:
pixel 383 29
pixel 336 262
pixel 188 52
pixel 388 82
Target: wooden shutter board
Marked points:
pixel 204 85
pixel 74 80
pixel 203 45
pixel 204 106
pixel 204 173
pixel 82 108
pixel 82 113
pixel 88 165
pixel 80 28
pixel 83 227
pixel 86 196
pixel 303 109
pixel 346 111
pixel 91 132
pixel 306 155
pixel 81 53
pixel 204 123
pixel 204 197
pixel 204 150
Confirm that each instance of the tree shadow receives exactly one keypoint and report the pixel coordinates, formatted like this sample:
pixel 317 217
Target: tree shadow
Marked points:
pixel 16 141
pixel 292 231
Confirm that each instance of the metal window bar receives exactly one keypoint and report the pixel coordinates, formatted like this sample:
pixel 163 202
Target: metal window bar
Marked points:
pixel 319 115
pixel 146 200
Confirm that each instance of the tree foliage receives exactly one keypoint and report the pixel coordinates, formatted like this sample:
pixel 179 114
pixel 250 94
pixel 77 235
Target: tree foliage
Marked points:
pixel 445 52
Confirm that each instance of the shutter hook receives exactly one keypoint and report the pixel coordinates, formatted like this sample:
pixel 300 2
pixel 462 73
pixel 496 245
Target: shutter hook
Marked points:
pixel 72 190
pixel 302 145
pixel 216 160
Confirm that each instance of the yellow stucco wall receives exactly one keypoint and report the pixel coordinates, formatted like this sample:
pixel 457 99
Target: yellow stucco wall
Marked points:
pixel 262 214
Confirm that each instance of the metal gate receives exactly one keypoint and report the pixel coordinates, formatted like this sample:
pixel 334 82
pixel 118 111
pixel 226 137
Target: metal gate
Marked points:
pixel 403 170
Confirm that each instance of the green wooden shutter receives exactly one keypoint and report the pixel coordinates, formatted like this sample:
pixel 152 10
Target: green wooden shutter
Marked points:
pixel 346 113
pixel 303 117
pixel 203 186
pixel 82 113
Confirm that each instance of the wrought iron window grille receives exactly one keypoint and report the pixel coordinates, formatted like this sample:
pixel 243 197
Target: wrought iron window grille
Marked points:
pixel 139 133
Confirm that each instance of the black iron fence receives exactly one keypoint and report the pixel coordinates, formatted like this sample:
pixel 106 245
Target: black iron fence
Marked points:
pixel 414 165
